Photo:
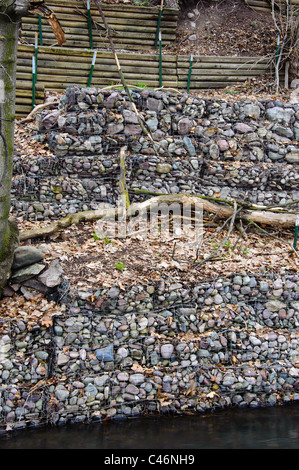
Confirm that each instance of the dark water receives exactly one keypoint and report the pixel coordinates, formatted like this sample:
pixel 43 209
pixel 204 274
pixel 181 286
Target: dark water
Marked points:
pixel 265 428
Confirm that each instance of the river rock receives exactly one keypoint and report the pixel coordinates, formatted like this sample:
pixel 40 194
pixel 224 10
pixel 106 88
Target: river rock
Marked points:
pixel 243 128
pixel 184 126
pixel 275 305
pixel 166 350
pixel 105 354
pixel 163 168
pixel 292 157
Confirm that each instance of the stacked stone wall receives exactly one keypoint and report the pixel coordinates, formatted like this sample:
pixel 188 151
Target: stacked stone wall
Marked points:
pixel 246 150
pixel 166 347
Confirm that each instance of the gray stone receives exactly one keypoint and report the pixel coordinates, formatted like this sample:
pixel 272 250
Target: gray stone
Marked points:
pixel 62 394
pixel 130 116
pixel 114 128
pixel 51 119
pixel 132 129
pixel 228 380
pixel 166 350
pixel 218 299
pixel 52 276
pixel 252 111
pixel 292 157
pixel 131 388
pixel 62 359
pixel 113 292
pixel 137 379
pixel 214 151
pixel 283 131
pixel 243 128
pixel 189 146
pixel 123 376
pixel 101 380
pixel 28 272
pixel 282 115
pixel 264 286
pixel 275 305
pixel 152 124
pixel 105 354
pixel 223 145
pixel 184 126
pixel 154 105
pixel 254 340
pixel 25 256
pixel 163 168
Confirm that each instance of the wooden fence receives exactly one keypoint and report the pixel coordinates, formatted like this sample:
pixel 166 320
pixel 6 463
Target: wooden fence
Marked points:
pixel 266 5
pixel 58 67
pixel 132 27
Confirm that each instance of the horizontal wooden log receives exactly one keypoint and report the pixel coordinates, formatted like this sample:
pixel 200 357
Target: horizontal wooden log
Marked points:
pixel 60 66
pixel 110 9
pixel 103 45
pixel 197 60
pixel 83 78
pixel 24 50
pixel 20 94
pixel 103 83
pixel 60 71
pixel 138 38
pixel 215 68
pixel 25 86
pixel 73 62
pixel 28 32
pixel 116 23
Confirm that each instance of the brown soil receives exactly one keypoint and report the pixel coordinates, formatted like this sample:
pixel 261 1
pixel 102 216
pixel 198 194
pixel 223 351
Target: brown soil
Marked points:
pixel 221 27
pixel 90 263
pixel 227 27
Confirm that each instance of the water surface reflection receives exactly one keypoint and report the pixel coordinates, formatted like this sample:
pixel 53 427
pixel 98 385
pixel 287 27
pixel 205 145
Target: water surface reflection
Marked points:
pixel 265 428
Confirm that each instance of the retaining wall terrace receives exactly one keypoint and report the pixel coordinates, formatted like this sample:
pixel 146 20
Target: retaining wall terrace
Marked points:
pixel 246 150
pixel 165 347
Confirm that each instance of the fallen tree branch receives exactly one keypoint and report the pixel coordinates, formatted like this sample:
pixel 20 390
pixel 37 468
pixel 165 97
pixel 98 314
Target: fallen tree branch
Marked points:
pixel 278 220
pixel 36 109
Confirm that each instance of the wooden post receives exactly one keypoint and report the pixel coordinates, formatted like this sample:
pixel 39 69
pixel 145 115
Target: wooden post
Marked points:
pixel 40 29
pixel 89 25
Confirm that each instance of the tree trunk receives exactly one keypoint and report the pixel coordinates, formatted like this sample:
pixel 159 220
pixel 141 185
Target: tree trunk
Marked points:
pixel 10 17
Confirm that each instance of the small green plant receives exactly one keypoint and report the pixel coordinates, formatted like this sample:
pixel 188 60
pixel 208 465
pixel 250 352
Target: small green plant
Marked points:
pixel 141 85
pixel 245 250
pixel 120 266
pixel 231 92
pixel 107 241
pixel 141 3
pixel 96 237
